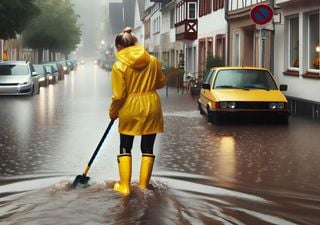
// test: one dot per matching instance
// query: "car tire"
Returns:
(214, 118)
(32, 92)
(200, 109)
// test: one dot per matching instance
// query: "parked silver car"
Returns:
(18, 78)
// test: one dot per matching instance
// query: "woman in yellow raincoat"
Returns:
(135, 78)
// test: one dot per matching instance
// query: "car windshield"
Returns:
(39, 69)
(15, 70)
(49, 68)
(245, 79)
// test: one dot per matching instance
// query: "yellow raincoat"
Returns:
(135, 78)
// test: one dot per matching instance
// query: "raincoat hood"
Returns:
(136, 57)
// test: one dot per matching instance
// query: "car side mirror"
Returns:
(34, 74)
(206, 86)
(283, 87)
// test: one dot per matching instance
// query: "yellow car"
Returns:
(248, 91)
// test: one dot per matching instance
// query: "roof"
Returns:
(14, 62)
(239, 67)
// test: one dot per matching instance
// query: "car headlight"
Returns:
(23, 83)
(223, 105)
(276, 105)
(280, 105)
(272, 105)
(230, 105)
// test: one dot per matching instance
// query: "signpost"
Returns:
(262, 14)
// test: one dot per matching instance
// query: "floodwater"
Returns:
(204, 174)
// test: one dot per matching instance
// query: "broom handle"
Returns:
(98, 147)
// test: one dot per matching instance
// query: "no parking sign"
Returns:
(261, 14)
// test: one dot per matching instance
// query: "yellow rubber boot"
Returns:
(146, 170)
(125, 167)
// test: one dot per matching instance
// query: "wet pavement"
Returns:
(204, 174)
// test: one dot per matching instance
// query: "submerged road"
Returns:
(204, 174)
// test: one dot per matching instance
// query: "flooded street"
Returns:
(204, 174)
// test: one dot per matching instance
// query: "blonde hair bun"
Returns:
(126, 38)
(127, 30)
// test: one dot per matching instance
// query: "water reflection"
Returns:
(24, 116)
(227, 158)
(42, 115)
(51, 104)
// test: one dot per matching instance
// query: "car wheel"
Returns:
(214, 118)
(32, 91)
(200, 109)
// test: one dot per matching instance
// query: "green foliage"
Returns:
(15, 15)
(213, 62)
(56, 28)
(174, 76)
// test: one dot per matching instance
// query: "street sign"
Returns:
(261, 14)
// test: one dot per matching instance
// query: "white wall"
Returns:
(212, 24)
(138, 25)
(299, 87)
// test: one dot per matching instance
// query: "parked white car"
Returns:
(18, 78)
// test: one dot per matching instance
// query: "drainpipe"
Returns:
(272, 41)
(226, 7)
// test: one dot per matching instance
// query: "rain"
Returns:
(240, 172)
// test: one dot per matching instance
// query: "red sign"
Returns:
(261, 14)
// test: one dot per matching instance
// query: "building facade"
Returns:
(297, 58)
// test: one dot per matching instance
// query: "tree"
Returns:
(56, 28)
(15, 15)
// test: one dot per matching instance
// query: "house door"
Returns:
(248, 46)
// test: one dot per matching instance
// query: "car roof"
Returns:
(13, 62)
(238, 68)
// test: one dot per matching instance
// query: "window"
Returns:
(6, 70)
(313, 41)
(156, 25)
(244, 79)
(220, 46)
(192, 11)
(208, 77)
(294, 42)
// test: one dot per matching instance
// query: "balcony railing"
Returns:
(241, 4)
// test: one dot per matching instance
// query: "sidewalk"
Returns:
(173, 101)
